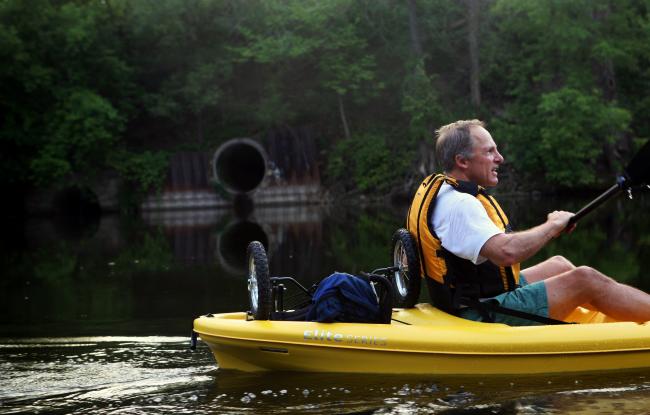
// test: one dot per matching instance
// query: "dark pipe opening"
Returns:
(240, 165)
(233, 243)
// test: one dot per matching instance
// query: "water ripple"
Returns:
(152, 375)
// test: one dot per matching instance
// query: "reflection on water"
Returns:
(151, 275)
(222, 236)
(164, 268)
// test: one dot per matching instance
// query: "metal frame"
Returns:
(278, 285)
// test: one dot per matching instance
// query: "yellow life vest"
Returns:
(459, 277)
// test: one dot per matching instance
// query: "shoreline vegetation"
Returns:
(120, 86)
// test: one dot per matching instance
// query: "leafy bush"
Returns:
(567, 140)
(146, 171)
(366, 163)
(81, 133)
(577, 128)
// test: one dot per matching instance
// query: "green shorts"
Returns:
(529, 298)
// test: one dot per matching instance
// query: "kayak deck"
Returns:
(428, 341)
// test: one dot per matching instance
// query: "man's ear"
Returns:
(461, 161)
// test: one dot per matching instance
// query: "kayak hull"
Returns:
(424, 340)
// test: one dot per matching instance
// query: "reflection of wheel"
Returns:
(259, 283)
(407, 279)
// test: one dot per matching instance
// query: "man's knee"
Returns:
(579, 286)
(591, 278)
(562, 263)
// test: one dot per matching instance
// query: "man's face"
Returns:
(483, 165)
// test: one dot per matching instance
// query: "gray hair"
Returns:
(455, 139)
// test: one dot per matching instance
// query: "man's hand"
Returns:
(559, 219)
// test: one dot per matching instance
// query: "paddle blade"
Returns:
(638, 171)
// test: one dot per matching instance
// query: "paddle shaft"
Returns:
(637, 172)
(595, 203)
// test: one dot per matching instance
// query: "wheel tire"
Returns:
(259, 283)
(407, 280)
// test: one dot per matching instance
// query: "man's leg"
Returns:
(551, 267)
(584, 285)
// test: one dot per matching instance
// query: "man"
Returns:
(469, 255)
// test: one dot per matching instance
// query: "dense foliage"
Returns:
(91, 85)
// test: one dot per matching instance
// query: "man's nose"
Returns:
(499, 158)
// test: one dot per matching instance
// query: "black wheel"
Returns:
(259, 283)
(407, 280)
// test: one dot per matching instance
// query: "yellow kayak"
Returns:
(425, 340)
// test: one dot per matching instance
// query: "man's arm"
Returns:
(505, 249)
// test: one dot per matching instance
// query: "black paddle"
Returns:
(636, 173)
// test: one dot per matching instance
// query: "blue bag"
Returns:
(343, 297)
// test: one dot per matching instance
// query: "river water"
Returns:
(95, 315)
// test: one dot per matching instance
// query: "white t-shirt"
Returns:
(462, 224)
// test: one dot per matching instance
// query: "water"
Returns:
(96, 318)
(100, 374)
(112, 375)
(109, 375)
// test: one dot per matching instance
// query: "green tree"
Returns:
(87, 85)
(575, 125)
(59, 84)
(182, 59)
(556, 117)
(320, 37)
(81, 130)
